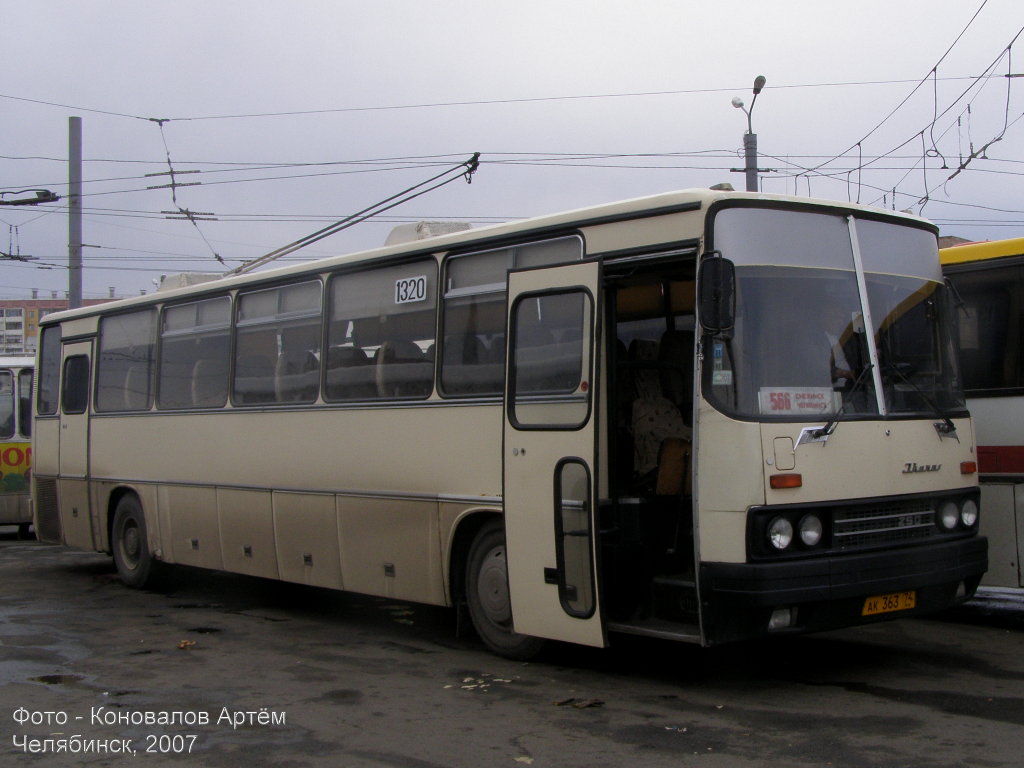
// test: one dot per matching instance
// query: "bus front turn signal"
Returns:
(788, 480)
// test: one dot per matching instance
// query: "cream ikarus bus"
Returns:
(703, 415)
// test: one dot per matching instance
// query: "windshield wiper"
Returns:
(946, 427)
(832, 423)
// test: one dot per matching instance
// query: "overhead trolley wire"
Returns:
(921, 82)
(464, 170)
(462, 103)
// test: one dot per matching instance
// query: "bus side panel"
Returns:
(46, 439)
(306, 532)
(405, 562)
(246, 519)
(194, 533)
(76, 525)
(46, 510)
(1003, 524)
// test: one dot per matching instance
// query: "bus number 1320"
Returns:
(411, 289)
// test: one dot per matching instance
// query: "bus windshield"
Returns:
(808, 286)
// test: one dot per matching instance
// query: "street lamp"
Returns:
(750, 138)
(42, 196)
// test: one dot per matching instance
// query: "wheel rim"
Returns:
(492, 588)
(131, 544)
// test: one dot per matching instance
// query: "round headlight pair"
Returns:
(952, 514)
(780, 531)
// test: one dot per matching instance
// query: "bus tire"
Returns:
(487, 596)
(135, 563)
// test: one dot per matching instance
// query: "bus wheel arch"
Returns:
(129, 542)
(486, 592)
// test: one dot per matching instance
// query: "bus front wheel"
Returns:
(487, 595)
(135, 563)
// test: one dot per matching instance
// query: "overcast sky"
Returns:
(280, 104)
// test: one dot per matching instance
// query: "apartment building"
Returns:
(19, 321)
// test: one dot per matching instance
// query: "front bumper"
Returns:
(737, 599)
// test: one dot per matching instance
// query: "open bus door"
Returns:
(550, 446)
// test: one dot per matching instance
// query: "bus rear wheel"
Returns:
(487, 595)
(135, 563)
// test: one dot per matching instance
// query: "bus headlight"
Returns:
(969, 513)
(780, 533)
(810, 530)
(949, 515)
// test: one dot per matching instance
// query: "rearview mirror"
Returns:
(716, 287)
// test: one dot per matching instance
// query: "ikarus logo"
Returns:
(912, 468)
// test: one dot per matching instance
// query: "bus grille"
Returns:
(47, 511)
(873, 525)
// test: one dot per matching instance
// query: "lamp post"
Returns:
(41, 196)
(750, 138)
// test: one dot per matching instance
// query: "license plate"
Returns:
(897, 601)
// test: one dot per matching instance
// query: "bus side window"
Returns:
(381, 327)
(473, 353)
(990, 328)
(48, 395)
(277, 350)
(125, 364)
(194, 342)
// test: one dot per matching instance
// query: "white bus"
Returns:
(988, 279)
(16, 442)
(701, 415)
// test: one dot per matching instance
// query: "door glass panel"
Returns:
(25, 403)
(573, 538)
(550, 360)
(76, 384)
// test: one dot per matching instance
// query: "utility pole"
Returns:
(74, 212)
(750, 138)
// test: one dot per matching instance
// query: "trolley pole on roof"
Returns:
(74, 212)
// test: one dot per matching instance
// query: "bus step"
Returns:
(653, 627)
(680, 581)
(674, 598)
